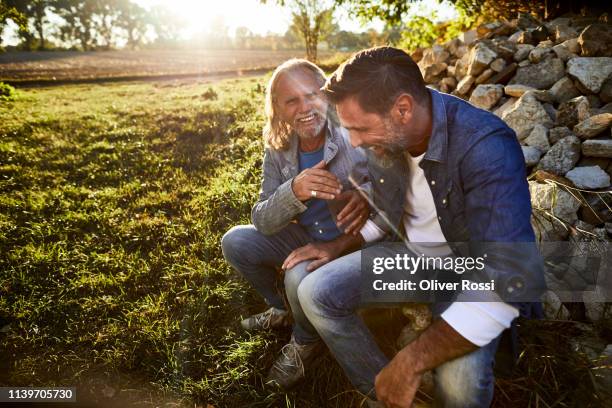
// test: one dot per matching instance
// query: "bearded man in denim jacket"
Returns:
(307, 213)
(442, 172)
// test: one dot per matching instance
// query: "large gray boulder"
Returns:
(538, 138)
(525, 114)
(590, 72)
(486, 96)
(434, 72)
(480, 58)
(549, 197)
(531, 154)
(597, 148)
(522, 52)
(557, 133)
(591, 177)
(573, 111)
(593, 126)
(562, 157)
(465, 84)
(596, 40)
(563, 90)
(540, 76)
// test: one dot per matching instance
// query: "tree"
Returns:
(166, 24)
(313, 22)
(106, 15)
(393, 11)
(24, 32)
(133, 19)
(10, 13)
(80, 25)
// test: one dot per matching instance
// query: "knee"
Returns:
(304, 294)
(293, 278)
(235, 242)
(321, 295)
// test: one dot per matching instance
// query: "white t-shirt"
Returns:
(478, 322)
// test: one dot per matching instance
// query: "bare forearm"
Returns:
(436, 345)
(348, 243)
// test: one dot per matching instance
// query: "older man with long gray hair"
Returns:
(307, 213)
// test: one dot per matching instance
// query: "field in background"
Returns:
(71, 65)
(113, 200)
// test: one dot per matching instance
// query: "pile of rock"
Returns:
(552, 83)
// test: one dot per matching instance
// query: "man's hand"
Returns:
(354, 214)
(320, 252)
(398, 382)
(324, 183)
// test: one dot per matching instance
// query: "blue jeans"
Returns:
(330, 297)
(257, 256)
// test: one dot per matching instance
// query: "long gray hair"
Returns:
(277, 132)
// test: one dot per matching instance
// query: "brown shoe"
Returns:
(270, 319)
(289, 368)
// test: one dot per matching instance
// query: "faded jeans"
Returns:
(325, 302)
(330, 298)
(257, 256)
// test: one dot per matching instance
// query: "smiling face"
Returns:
(300, 103)
(404, 128)
(381, 134)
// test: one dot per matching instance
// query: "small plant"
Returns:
(7, 92)
(209, 94)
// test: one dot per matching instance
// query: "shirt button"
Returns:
(382, 181)
(444, 201)
(316, 222)
(433, 182)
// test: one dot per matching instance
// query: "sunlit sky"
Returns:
(259, 18)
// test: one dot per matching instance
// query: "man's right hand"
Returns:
(324, 183)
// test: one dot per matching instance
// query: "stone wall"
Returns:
(552, 83)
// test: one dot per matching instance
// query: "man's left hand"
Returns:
(355, 212)
(397, 383)
(320, 253)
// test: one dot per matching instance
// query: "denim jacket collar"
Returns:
(438, 142)
(330, 147)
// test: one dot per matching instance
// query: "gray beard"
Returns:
(316, 132)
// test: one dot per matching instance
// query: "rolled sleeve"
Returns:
(370, 232)
(480, 322)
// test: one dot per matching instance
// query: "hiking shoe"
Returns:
(288, 369)
(270, 319)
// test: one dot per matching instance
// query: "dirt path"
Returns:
(196, 77)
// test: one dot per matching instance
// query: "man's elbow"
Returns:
(261, 225)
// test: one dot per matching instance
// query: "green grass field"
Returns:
(113, 200)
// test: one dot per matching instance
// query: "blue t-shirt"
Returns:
(317, 218)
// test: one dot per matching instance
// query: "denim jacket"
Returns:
(277, 204)
(475, 168)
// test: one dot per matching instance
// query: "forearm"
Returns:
(347, 243)
(436, 345)
(279, 209)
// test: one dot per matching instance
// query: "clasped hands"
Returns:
(323, 184)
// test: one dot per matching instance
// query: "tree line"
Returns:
(106, 24)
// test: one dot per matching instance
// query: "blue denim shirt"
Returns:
(476, 170)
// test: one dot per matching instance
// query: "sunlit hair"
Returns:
(277, 132)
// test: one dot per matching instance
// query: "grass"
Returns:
(113, 200)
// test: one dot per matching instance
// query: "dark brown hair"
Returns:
(377, 76)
